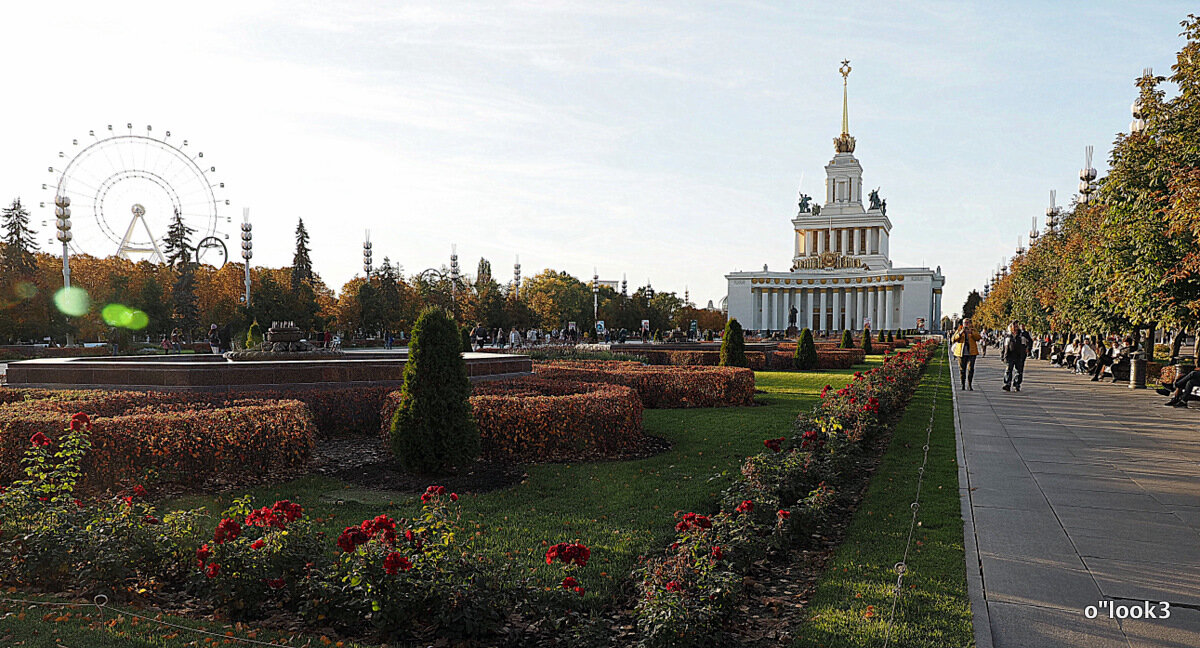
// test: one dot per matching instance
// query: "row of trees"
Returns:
(183, 294)
(1128, 260)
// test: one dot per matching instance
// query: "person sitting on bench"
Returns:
(1183, 387)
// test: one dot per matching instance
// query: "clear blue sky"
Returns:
(662, 140)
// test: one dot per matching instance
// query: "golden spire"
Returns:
(844, 143)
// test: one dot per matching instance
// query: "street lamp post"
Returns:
(247, 249)
(595, 296)
(62, 212)
(367, 255)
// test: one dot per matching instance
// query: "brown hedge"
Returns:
(535, 419)
(134, 432)
(662, 387)
(759, 360)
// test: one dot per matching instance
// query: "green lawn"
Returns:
(619, 509)
(934, 610)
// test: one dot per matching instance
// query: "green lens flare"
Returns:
(138, 320)
(72, 301)
(25, 290)
(118, 315)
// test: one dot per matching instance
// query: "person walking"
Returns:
(1013, 351)
(966, 342)
(214, 339)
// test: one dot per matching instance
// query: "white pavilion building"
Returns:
(841, 275)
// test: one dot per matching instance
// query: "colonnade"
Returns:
(826, 308)
(846, 240)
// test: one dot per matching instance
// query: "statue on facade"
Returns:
(816, 210)
(792, 317)
(874, 197)
(805, 199)
(883, 207)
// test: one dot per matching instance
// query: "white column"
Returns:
(846, 241)
(888, 306)
(848, 318)
(762, 299)
(860, 309)
(820, 241)
(780, 315)
(836, 322)
(821, 312)
(871, 307)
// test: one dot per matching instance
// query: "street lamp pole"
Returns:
(247, 249)
(595, 296)
(62, 212)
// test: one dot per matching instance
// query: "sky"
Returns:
(662, 141)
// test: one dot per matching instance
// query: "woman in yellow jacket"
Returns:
(966, 341)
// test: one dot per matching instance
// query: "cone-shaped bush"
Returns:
(806, 351)
(890, 337)
(866, 345)
(733, 345)
(847, 340)
(882, 335)
(432, 428)
(254, 336)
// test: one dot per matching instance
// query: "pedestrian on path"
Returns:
(1013, 352)
(966, 347)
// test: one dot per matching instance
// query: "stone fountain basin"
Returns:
(204, 372)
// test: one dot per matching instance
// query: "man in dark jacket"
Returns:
(1013, 352)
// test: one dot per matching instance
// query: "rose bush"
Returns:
(662, 386)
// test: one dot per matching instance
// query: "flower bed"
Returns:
(662, 387)
(135, 432)
(537, 419)
(784, 495)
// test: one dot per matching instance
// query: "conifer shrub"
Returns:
(733, 345)
(882, 335)
(254, 336)
(805, 356)
(847, 340)
(890, 337)
(432, 428)
(866, 343)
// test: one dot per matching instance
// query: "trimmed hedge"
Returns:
(827, 358)
(663, 387)
(535, 419)
(186, 441)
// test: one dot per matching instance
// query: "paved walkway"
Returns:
(1077, 492)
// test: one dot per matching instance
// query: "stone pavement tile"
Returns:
(1141, 581)
(1034, 581)
(1021, 533)
(1005, 498)
(1189, 514)
(1027, 626)
(1117, 484)
(1073, 468)
(1149, 549)
(1180, 630)
(1129, 525)
(1104, 500)
(1171, 489)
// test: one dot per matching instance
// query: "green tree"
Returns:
(302, 269)
(806, 351)
(17, 260)
(866, 343)
(969, 306)
(847, 340)
(733, 345)
(178, 245)
(432, 428)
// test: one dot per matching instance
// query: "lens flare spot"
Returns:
(118, 315)
(72, 301)
(138, 320)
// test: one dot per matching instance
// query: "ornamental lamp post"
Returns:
(367, 255)
(62, 213)
(247, 250)
(1087, 175)
(595, 296)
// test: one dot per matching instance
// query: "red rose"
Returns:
(783, 514)
(775, 445)
(202, 554)
(570, 583)
(351, 537)
(579, 591)
(265, 517)
(453, 497)
(212, 570)
(80, 420)
(258, 544)
(227, 530)
(674, 586)
(717, 553)
(128, 500)
(569, 553)
(40, 440)
(394, 562)
(382, 528)
(274, 583)
(290, 512)
(408, 535)
(745, 507)
(433, 491)
(139, 490)
(150, 519)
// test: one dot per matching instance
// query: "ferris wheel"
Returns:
(125, 189)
